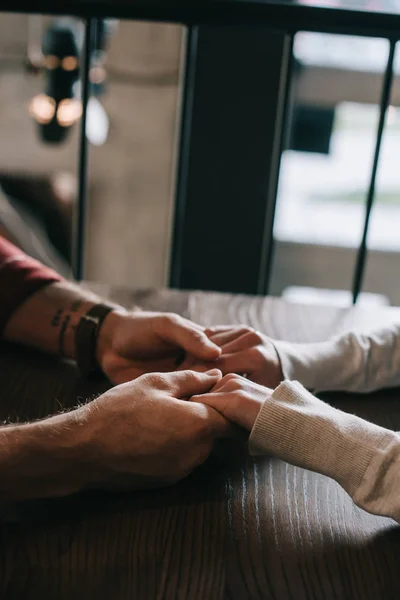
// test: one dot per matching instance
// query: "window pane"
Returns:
(325, 171)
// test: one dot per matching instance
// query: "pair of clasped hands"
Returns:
(179, 388)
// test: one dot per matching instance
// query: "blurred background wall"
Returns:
(131, 175)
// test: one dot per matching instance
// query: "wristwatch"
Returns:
(86, 336)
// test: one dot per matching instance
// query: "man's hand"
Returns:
(145, 433)
(128, 344)
(243, 351)
(139, 434)
(237, 399)
(132, 344)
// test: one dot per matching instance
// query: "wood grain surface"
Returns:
(237, 528)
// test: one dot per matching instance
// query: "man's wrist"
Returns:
(104, 341)
(49, 458)
(70, 320)
(86, 337)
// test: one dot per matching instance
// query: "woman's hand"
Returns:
(133, 344)
(243, 351)
(237, 399)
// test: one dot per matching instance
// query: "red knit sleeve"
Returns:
(20, 276)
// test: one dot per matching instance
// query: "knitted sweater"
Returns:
(301, 429)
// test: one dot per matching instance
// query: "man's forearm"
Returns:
(48, 458)
(47, 320)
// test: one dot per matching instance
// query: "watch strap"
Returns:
(86, 336)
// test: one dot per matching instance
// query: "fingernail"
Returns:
(213, 372)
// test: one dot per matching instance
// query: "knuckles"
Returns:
(230, 378)
(256, 356)
(169, 319)
(252, 335)
(154, 380)
(233, 383)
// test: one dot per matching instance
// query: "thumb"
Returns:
(184, 384)
(192, 340)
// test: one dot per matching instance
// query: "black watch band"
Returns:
(86, 336)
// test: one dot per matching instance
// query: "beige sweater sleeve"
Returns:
(362, 457)
(356, 362)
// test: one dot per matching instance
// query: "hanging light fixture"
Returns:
(57, 109)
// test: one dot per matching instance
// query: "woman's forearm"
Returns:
(364, 458)
(353, 361)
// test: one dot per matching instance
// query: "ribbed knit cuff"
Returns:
(297, 427)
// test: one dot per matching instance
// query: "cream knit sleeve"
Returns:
(356, 362)
(362, 457)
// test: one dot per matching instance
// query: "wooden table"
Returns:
(237, 528)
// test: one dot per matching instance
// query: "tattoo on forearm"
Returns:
(75, 306)
(62, 335)
(57, 318)
(62, 319)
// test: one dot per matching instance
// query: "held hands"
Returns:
(144, 433)
(243, 351)
(132, 344)
(155, 430)
(237, 399)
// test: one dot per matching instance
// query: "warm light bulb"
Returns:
(51, 61)
(42, 108)
(69, 63)
(69, 112)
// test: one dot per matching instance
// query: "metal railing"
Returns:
(206, 20)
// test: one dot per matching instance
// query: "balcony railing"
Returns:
(232, 124)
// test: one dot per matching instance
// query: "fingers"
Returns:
(236, 399)
(193, 364)
(235, 339)
(219, 400)
(184, 384)
(190, 337)
(218, 426)
(222, 336)
(218, 329)
(232, 382)
(238, 408)
(241, 362)
(249, 339)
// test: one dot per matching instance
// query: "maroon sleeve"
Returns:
(20, 276)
